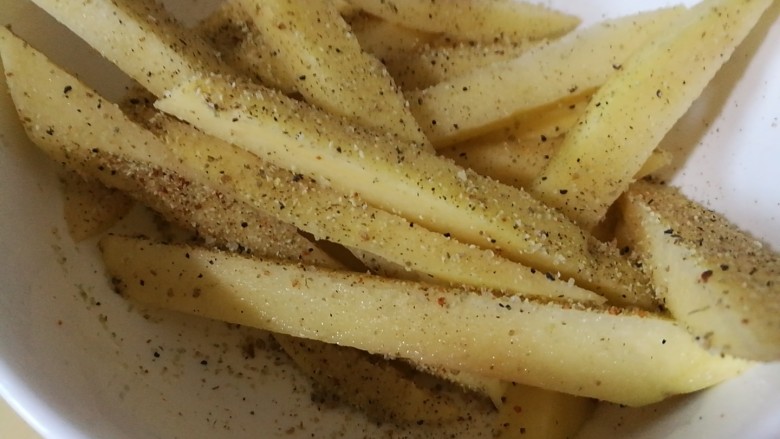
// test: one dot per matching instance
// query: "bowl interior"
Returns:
(78, 361)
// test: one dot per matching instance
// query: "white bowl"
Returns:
(78, 362)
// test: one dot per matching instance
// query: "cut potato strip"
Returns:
(630, 114)
(86, 128)
(312, 44)
(90, 208)
(228, 29)
(613, 355)
(168, 53)
(552, 120)
(422, 187)
(473, 20)
(519, 162)
(534, 413)
(386, 40)
(491, 96)
(721, 283)
(491, 387)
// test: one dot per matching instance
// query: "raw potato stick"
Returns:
(167, 55)
(314, 48)
(718, 281)
(424, 188)
(70, 118)
(552, 120)
(532, 413)
(609, 354)
(490, 97)
(229, 31)
(631, 113)
(443, 62)
(518, 162)
(473, 20)
(387, 40)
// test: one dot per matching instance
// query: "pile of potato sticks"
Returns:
(467, 159)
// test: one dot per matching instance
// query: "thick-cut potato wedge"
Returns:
(139, 37)
(721, 283)
(383, 389)
(424, 188)
(533, 413)
(312, 44)
(90, 207)
(609, 354)
(52, 101)
(490, 97)
(630, 114)
(517, 162)
(473, 20)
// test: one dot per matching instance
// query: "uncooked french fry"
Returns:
(386, 40)
(168, 54)
(314, 48)
(490, 97)
(630, 114)
(474, 20)
(549, 121)
(718, 281)
(532, 413)
(609, 354)
(229, 31)
(518, 162)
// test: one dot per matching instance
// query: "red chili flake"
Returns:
(705, 275)
(441, 301)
